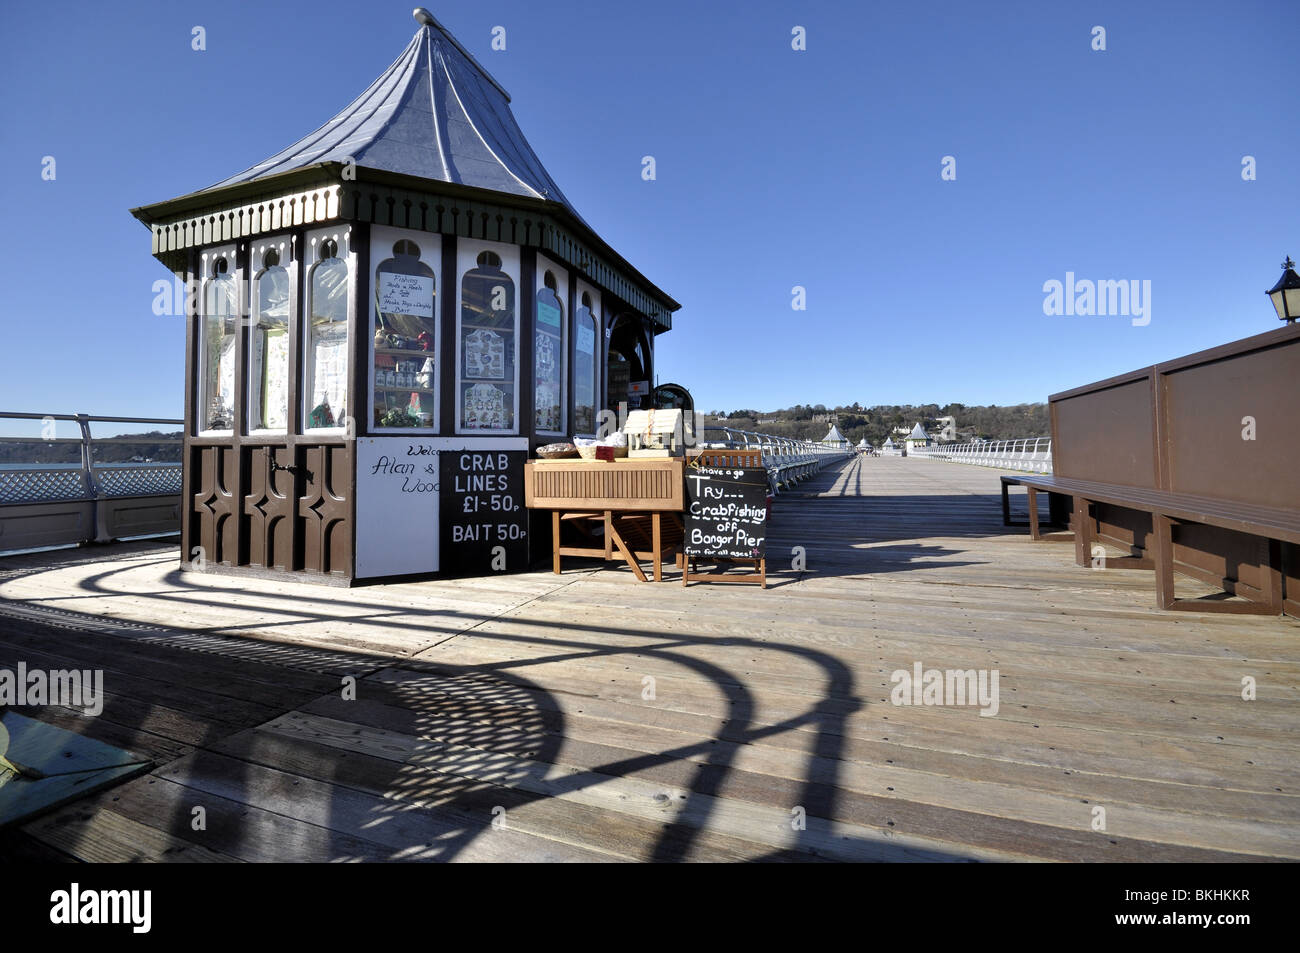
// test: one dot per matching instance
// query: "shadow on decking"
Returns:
(420, 765)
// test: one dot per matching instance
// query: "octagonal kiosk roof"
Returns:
(435, 122)
(436, 113)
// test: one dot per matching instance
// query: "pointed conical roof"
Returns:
(918, 434)
(863, 443)
(435, 113)
(833, 435)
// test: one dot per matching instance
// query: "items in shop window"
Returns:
(545, 356)
(547, 403)
(485, 355)
(218, 415)
(398, 417)
(321, 415)
(484, 408)
(393, 341)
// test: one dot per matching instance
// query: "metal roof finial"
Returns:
(423, 16)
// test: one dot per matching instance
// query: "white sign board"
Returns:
(406, 294)
(397, 506)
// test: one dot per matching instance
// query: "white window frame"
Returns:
(382, 240)
(561, 274)
(342, 236)
(467, 252)
(286, 247)
(598, 352)
(207, 259)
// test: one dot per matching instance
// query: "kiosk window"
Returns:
(584, 369)
(269, 362)
(220, 333)
(549, 359)
(405, 384)
(326, 384)
(487, 337)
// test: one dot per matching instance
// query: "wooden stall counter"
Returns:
(636, 505)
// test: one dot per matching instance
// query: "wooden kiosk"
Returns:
(383, 320)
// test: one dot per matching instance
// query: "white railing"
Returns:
(1030, 454)
(787, 460)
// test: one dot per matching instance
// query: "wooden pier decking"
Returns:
(587, 717)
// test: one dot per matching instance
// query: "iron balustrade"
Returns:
(1027, 454)
(60, 490)
(786, 459)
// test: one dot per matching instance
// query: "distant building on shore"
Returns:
(918, 438)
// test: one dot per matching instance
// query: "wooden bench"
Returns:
(1058, 505)
(1191, 464)
(1270, 525)
(723, 457)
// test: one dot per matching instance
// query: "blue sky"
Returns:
(775, 168)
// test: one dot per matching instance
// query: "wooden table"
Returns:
(627, 499)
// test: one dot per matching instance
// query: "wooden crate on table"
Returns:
(643, 485)
(654, 434)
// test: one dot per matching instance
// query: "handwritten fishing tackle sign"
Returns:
(397, 506)
(726, 512)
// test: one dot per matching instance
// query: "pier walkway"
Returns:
(583, 717)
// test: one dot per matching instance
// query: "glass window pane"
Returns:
(584, 373)
(269, 364)
(405, 340)
(327, 351)
(487, 341)
(548, 363)
(220, 324)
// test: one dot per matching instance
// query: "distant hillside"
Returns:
(155, 446)
(876, 423)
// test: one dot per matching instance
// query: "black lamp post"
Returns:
(1286, 293)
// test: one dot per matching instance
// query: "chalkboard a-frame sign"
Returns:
(726, 521)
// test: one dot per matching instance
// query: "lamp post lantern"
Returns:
(1286, 293)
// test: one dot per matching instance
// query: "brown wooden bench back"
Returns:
(726, 458)
(1183, 427)
(1180, 425)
